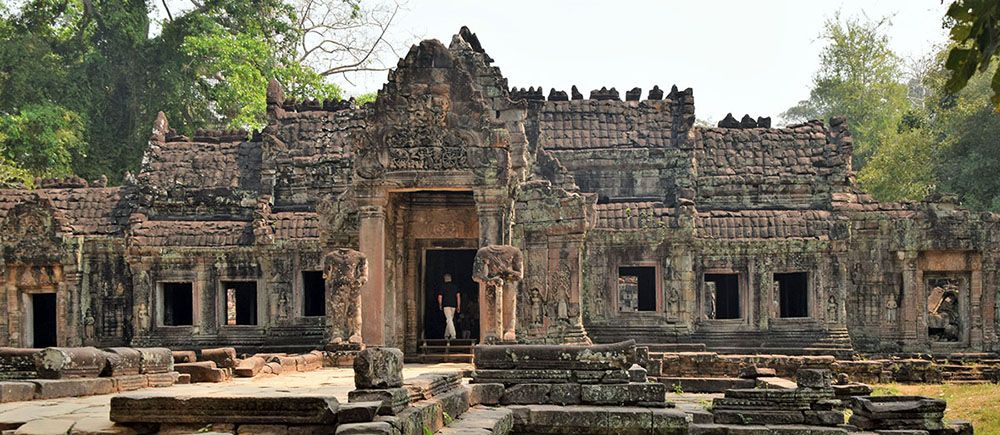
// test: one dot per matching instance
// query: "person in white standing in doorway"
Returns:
(449, 301)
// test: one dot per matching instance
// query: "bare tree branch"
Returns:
(337, 38)
(166, 8)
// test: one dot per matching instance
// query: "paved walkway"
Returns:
(89, 415)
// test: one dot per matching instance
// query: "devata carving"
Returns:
(497, 269)
(345, 271)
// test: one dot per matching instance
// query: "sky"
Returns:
(755, 57)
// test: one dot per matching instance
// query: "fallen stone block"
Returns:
(754, 372)
(184, 356)
(156, 360)
(203, 371)
(122, 361)
(56, 388)
(526, 394)
(393, 400)
(427, 385)
(358, 412)
(485, 394)
(288, 364)
(130, 383)
(814, 378)
(775, 383)
(223, 357)
(378, 367)
(16, 391)
(18, 363)
(481, 420)
(529, 356)
(311, 361)
(651, 394)
(70, 362)
(272, 368)
(182, 379)
(285, 409)
(165, 379)
(371, 428)
(249, 367)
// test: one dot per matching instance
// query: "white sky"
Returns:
(755, 57)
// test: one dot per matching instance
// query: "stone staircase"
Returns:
(836, 342)
(441, 351)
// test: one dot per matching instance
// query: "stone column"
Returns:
(371, 238)
(911, 303)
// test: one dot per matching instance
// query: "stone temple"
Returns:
(633, 223)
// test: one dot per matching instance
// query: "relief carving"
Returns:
(345, 272)
(944, 317)
(497, 269)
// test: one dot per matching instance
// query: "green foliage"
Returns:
(859, 77)
(42, 139)
(975, 31)
(366, 98)
(899, 168)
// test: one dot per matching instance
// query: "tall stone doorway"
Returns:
(457, 263)
(42, 325)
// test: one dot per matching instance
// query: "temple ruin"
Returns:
(633, 222)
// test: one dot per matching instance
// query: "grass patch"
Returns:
(978, 403)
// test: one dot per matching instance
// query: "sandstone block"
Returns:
(517, 356)
(204, 371)
(16, 362)
(813, 378)
(378, 367)
(358, 412)
(223, 357)
(165, 379)
(622, 394)
(184, 356)
(250, 367)
(16, 391)
(274, 409)
(56, 388)
(46, 426)
(122, 361)
(371, 428)
(526, 394)
(485, 394)
(130, 383)
(262, 429)
(393, 399)
(756, 416)
(156, 360)
(637, 373)
(70, 362)
(564, 394)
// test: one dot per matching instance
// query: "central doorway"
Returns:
(458, 263)
(43, 320)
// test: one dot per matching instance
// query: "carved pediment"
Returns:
(30, 233)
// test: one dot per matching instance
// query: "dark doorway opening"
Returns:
(641, 297)
(177, 304)
(313, 294)
(793, 294)
(727, 294)
(241, 302)
(43, 319)
(458, 263)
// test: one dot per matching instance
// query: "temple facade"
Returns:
(633, 223)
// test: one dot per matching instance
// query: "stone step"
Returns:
(498, 421)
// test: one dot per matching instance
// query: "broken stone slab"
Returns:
(549, 376)
(46, 426)
(849, 390)
(223, 357)
(378, 367)
(203, 371)
(768, 382)
(753, 372)
(565, 394)
(481, 420)
(705, 385)
(756, 417)
(312, 361)
(184, 356)
(876, 406)
(586, 420)
(427, 385)
(931, 423)
(533, 356)
(485, 394)
(156, 360)
(16, 391)
(57, 388)
(637, 373)
(526, 394)
(122, 361)
(70, 362)
(286, 409)
(645, 394)
(393, 399)
(249, 367)
(287, 364)
(272, 368)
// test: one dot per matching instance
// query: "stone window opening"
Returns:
(178, 303)
(793, 294)
(722, 296)
(241, 302)
(637, 289)
(313, 293)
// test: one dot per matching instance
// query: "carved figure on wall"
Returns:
(709, 300)
(673, 301)
(891, 305)
(944, 322)
(142, 317)
(345, 271)
(831, 307)
(537, 310)
(88, 326)
(497, 269)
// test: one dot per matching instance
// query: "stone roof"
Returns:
(588, 124)
(633, 215)
(173, 233)
(765, 224)
(87, 211)
(295, 226)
